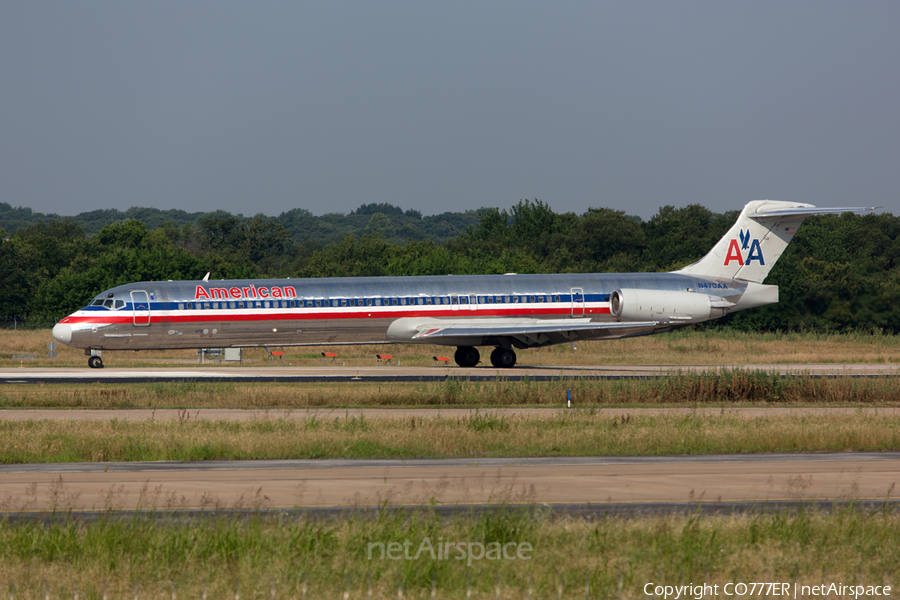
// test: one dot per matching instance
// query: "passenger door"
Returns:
(140, 305)
(577, 302)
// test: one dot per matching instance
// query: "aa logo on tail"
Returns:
(736, 252)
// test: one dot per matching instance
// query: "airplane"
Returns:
(507, 312)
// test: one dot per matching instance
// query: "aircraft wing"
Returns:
(535, 331)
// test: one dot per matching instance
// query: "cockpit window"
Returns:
(97, 302)
(120, 304)
(108, 304)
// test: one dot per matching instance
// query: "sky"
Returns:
(263, 107)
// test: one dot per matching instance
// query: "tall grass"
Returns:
(714, 387)
(265, 557)
(581, 433)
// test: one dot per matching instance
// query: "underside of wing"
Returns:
(522, 333)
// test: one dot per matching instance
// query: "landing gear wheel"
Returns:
(466, 356)
(95, 362)
(503, 358)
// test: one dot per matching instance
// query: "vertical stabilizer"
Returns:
(757, 240)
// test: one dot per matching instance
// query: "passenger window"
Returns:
(403, 301)
(532, 299)
(377, 301)
(343, 303)
(463, 300)
(368, 302)
(540, 298)
(428, 301)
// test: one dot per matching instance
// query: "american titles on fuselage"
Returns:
(251, 291)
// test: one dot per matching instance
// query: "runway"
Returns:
(391, 373)
(348, 484)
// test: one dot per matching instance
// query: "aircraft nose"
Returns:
(62, 333)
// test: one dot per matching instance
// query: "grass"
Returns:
(278, 557)
(684, 347)
(581, 433)
(725, 387)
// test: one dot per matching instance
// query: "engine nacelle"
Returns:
(659, 305)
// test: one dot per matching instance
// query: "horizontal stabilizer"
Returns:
(762, 215)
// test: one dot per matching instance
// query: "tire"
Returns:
(467, 356)
(95, 362)
(503, 358)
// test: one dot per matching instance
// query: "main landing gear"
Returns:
(502, 358)
(95, 362)
(467, 356)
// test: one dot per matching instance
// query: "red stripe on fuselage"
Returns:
(292, 315)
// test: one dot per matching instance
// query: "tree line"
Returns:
(394, 224)
(839, 273)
